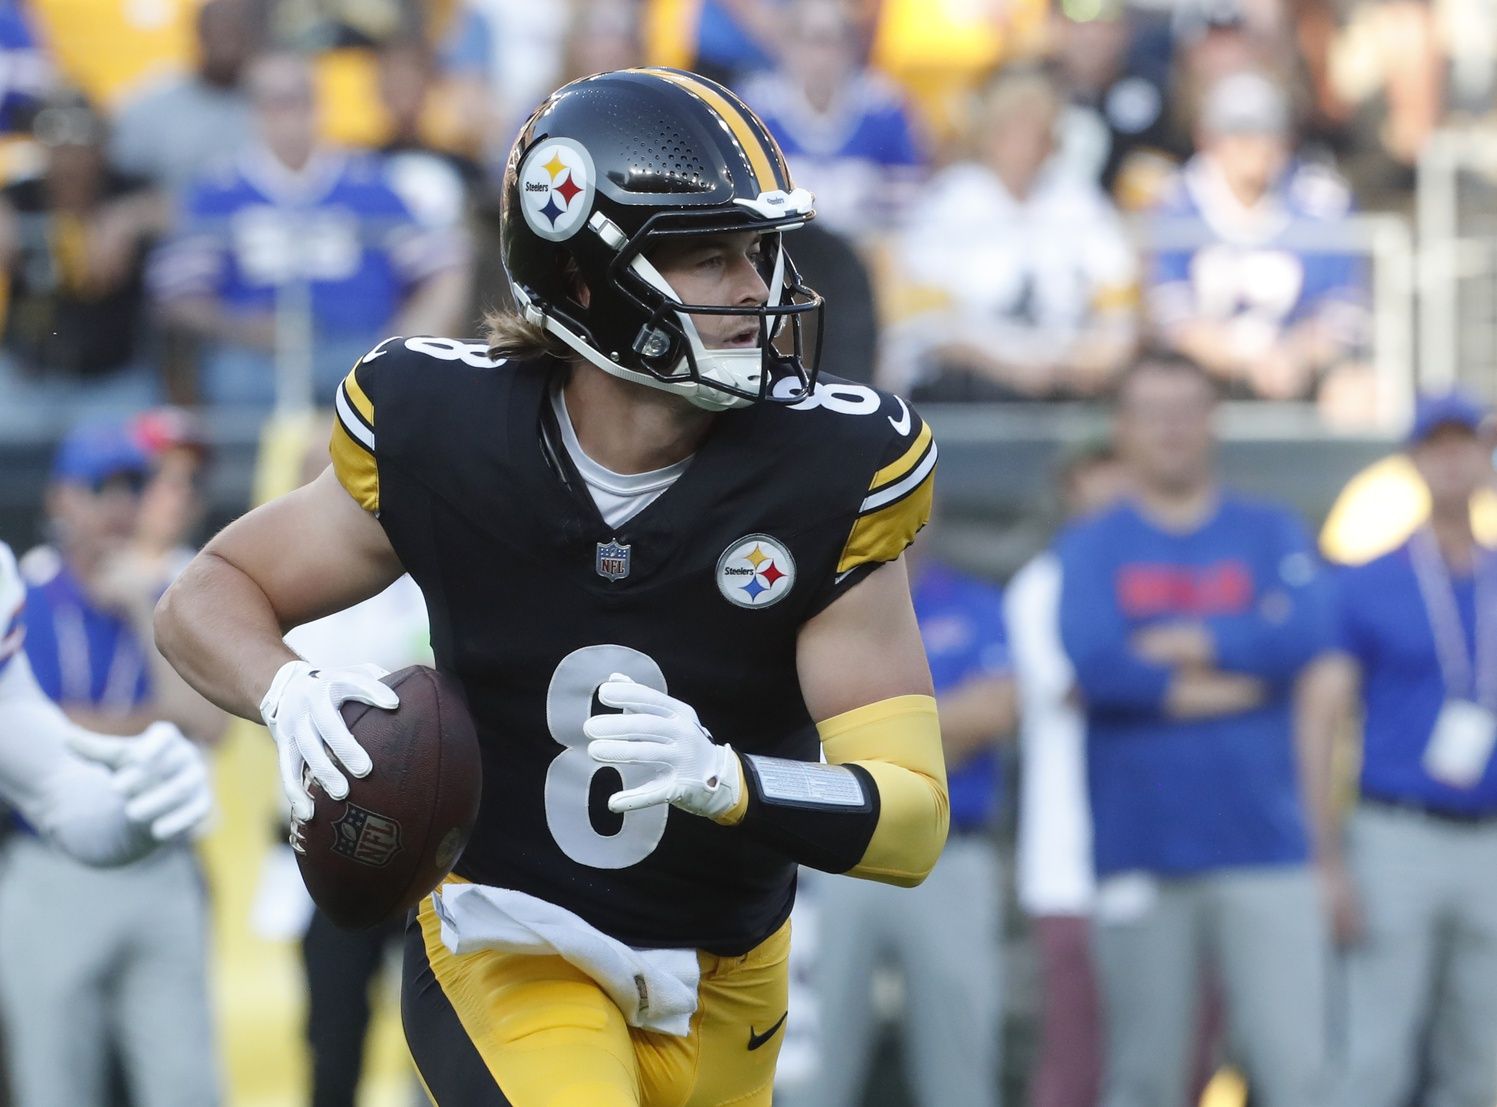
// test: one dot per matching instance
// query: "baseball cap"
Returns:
(93, 452)
(1245, 103)
(171, 428)
(1455, 408)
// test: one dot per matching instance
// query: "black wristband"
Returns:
(817, 815)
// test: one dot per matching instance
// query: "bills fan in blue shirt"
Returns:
(1182, 796)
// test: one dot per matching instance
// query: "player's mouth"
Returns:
(748, 336)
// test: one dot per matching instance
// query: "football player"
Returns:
(663, 559)
(103, 800)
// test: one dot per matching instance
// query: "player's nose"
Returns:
(748, 283)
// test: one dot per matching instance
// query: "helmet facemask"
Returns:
(641, 330)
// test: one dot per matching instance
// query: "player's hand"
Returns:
(301, 710)
(689, 769)
(160, 775)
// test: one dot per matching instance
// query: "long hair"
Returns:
(510, 335)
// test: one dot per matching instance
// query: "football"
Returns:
(374, 854)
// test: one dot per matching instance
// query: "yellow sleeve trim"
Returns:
(886, 531)
(352, 445)
(361, 402)
(907, 460)
(898, 742)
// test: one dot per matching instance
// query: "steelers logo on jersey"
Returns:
(556, 188)
(755, 571)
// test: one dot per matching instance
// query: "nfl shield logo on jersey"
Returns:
(613, 560)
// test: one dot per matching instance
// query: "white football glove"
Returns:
(159, 774)
(693, 772)
(301, 710)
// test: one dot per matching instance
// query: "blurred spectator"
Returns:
(170, 132)
(26, 73)
(1188, 611)
(1255, 276)
(947, 935)
(939, 53)
(1054, 854)
(1033, 276)
(171, 506)
(1116, 129)
(845, 130)
(1211, 40)
(298, 257)
(433, 181)
(73, 242)
(1418, 627)
(728, 39)
(104, 962)
(1053, 875)
(1391, 74)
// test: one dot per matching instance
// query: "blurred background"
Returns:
(208, 211)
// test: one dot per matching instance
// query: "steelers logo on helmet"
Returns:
(755, 571)
(557, 184)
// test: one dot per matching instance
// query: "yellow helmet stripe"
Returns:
(749, 138)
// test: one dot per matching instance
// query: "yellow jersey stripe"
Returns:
(361, 402)
(902, 487)
(906, 461)
(355, 467)
(746, 134)
(883, 532)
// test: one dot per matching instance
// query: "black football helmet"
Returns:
(614, 164)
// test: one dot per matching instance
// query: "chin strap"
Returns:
(701, 395)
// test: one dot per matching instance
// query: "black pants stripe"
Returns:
(449, 1064)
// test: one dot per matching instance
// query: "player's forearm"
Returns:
(877, 810)
(218, 630)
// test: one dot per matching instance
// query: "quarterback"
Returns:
(664, 561)
(103, 800)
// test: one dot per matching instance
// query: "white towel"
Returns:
(656, 989)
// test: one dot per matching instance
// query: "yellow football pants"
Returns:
(514, 1030)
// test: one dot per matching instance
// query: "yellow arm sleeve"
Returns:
(898, 743)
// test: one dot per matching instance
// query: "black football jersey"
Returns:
(535, 601)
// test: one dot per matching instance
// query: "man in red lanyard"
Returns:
(1418, 637)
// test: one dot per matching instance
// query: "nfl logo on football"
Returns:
(366, 836)
(613, 560)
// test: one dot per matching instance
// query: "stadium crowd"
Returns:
(1135, 207)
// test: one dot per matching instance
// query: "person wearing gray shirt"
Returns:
(207, 110)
